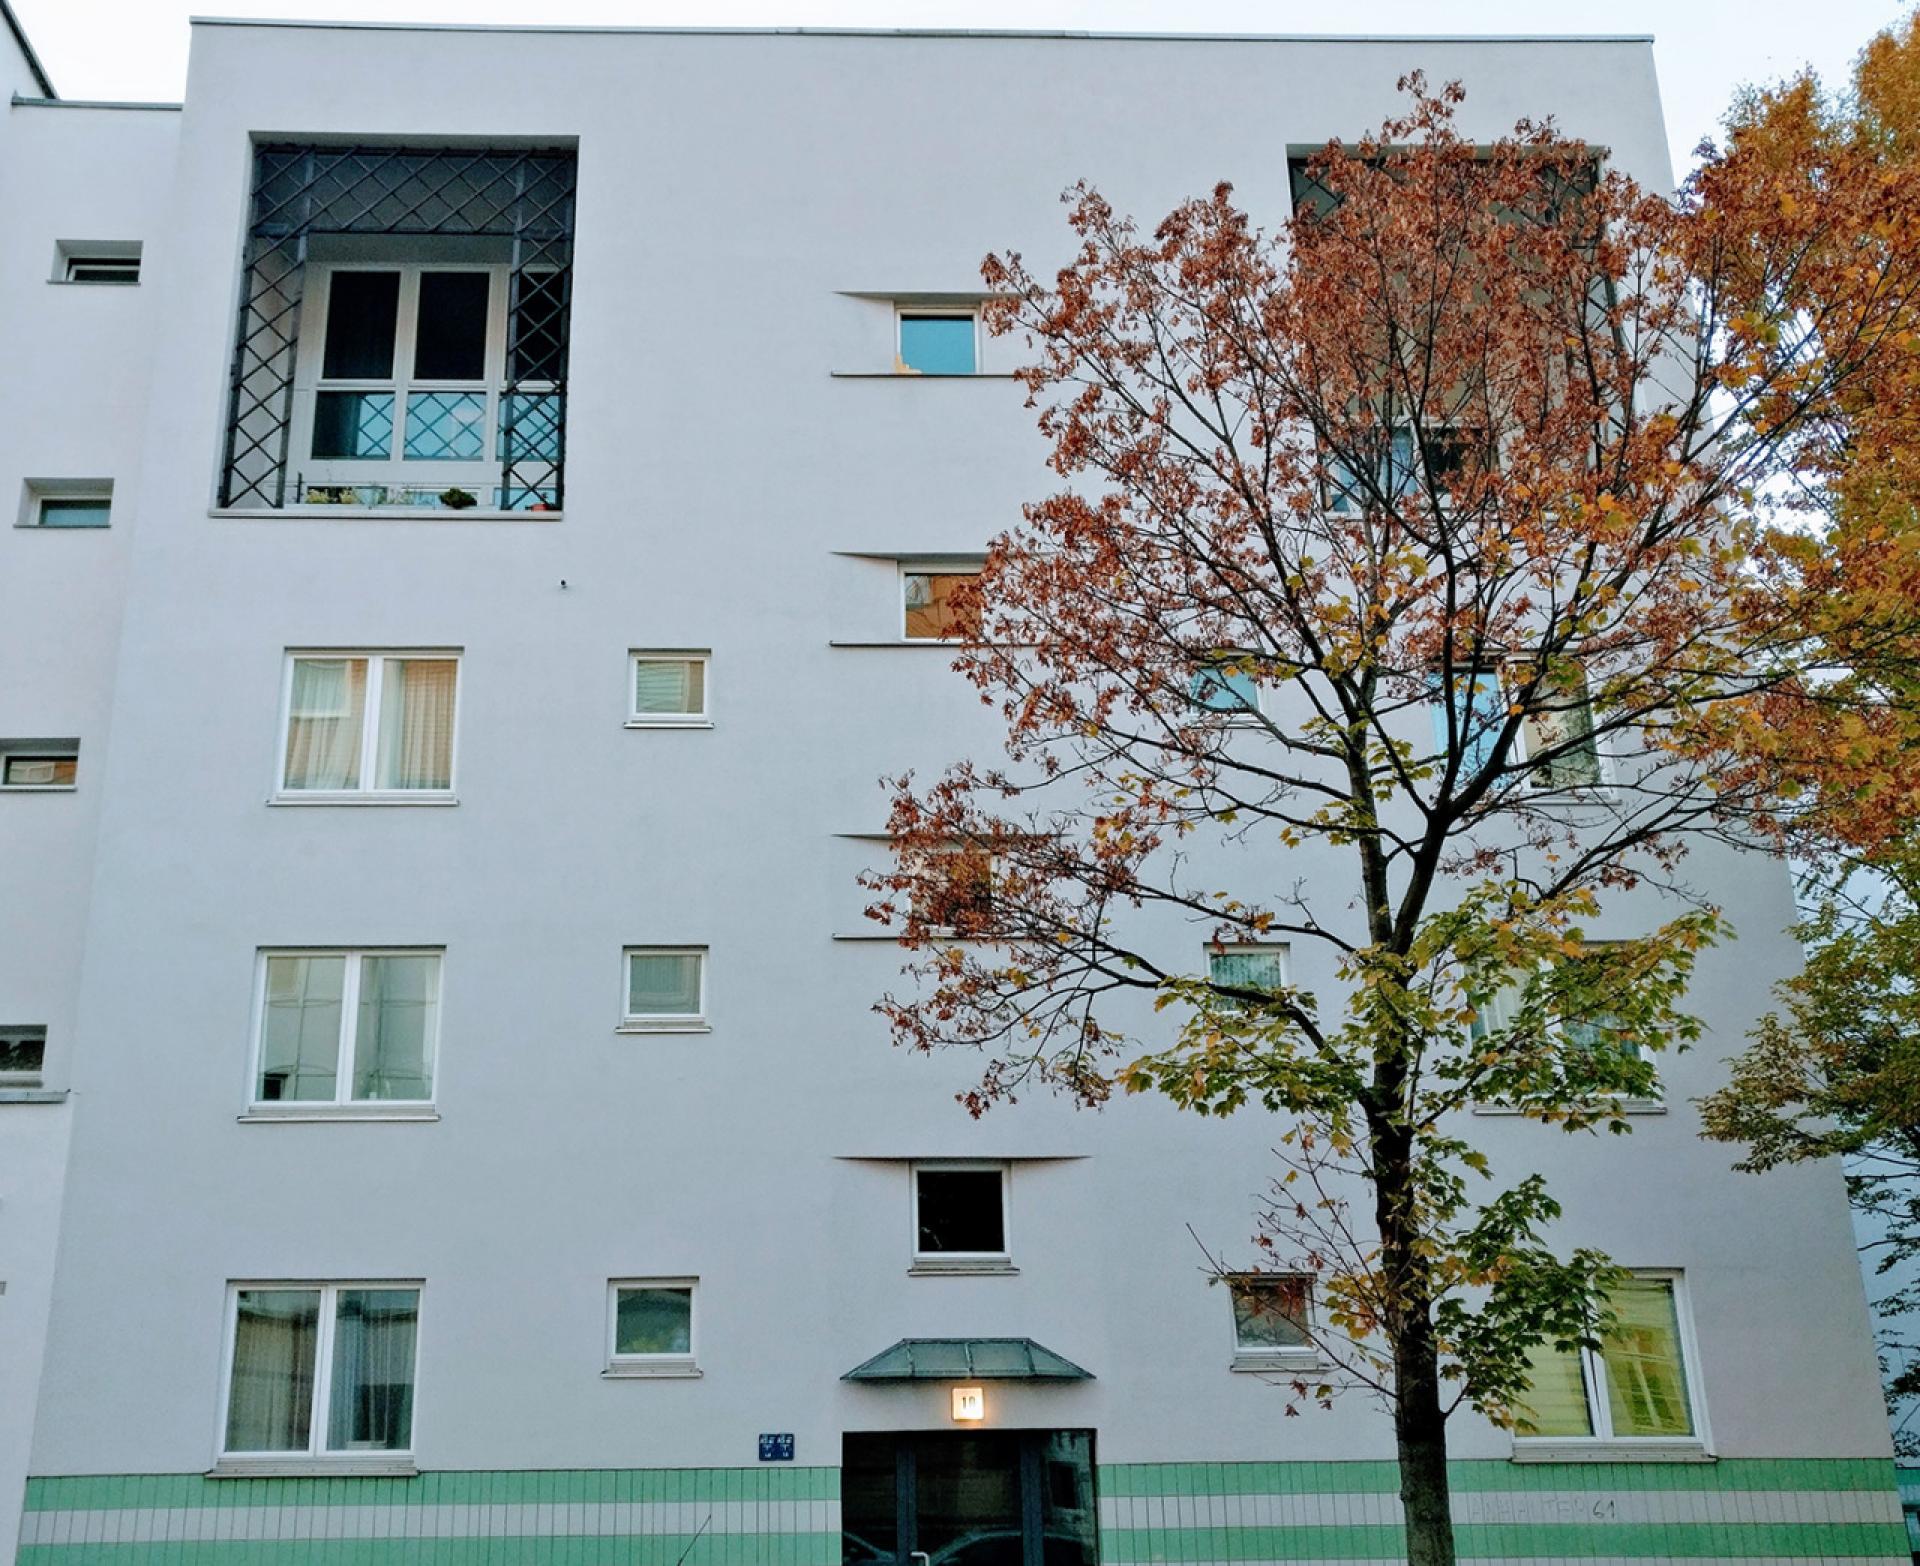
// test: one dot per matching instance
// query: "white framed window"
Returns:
(1248, 965)
(23, 1056)
(930, 340)
(39, 766)
(400, 383)
(66, 504)
(1272, 1320)
(346, 1029)
(934, 602)
(651, 1327)
(960, 1216)
(1638, 1390)
(1494, 1013)
(361, 726)
(666, 989)
(320, 1370)
(668, 690)
(1561, 720)
(110, 261)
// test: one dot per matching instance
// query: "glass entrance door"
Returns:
(968, 1498)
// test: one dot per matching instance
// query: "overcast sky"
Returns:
(1704, 48)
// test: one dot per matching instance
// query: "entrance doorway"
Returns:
(968, 1498)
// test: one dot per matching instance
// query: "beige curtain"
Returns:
(416, 723)
(324, 721)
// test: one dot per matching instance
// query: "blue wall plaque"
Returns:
(776, 1448)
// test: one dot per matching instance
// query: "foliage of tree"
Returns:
(1451, 470)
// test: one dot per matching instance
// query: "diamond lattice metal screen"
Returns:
(525, 197)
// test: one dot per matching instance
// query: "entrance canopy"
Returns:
(967, 1359)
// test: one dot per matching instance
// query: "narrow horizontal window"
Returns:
(67, 503)
(369, 723)
(23, 1056)
(960, 1212)
(36, 764)
(1270, 1313)
(321, 1369)
(347, 1027)
(937, 342)
(652, 1324)
(668, 687)
(666, 987)
(97, 261)
(941, 606)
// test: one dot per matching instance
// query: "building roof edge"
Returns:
(26, 49)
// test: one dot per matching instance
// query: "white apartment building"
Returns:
(475, 538)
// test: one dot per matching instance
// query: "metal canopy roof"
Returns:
(975, 1359)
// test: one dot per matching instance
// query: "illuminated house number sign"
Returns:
(969, 1403)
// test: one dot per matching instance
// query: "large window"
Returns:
(347, 1027)
(361, 724)
(321, 1369)
(1637, 1387)
(650, 1323)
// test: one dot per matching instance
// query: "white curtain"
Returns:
(270, 1405)
(370, 1396)
(416, 723)
(324, 721)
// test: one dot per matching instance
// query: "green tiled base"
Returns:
(1151, 1514)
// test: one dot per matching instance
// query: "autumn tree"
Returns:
(1398, 556)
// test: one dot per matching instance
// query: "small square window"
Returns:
(960, 1215)
(1271, 1316)
(941, 605)
(1226, 684)
(666, 989)
(938, 342)
(1247, 967)
(669, 689)
(651, 1327)
(23, 1056)
(39, 764)
(97, 261)
(66, 503)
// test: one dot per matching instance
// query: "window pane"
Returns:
(450, 334)
(1067, 1513)
(300, 1031)
(653, 1321)
(324, 721)
(1556, 1400)
(1224, 688)
(931, 612)
(937, 344)
(270, 1398)
(1646, 1379)
(40, 771)
(370, 1396)
(663, 984)
(960, 1211)
(362, 309)
(1494, 1013)
(56, 511)
(1249, 968)
(446, 426)
(530, 427)
(392, 1044)
(669, 686)
(23, 1052)
(1572, 726)
(1270, 1313)
(352, 424)
(1478, 711)
(416, 723)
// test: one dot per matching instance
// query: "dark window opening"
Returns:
(961, 1211)
(450, 336)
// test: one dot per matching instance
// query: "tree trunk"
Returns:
(1420, 1430)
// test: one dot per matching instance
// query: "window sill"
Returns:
(1646, 1451)
(423, 797)
(39, 788)
(669, 723)
(263, 1114)
(675, 1025)
(1282, 1362)
(957, 1267)
(63, 527)
(93, 282)
(1626, 1106)
(382, 1467)
(24, 1095)
(665, 1370)
(379, 514)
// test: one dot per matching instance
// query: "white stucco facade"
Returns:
(742, 476)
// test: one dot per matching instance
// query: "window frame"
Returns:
(960, 566)
(25, 1081)
(316, 1457)
(1258, 1358)
(121, 256)
(340, 1107)
(364, 794)
(652, 1365)
(1603, 1443)
(932, 1262)
(703, 719)
(902, 309)
(663, 1022)
(478, 475)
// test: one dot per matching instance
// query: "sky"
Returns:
(1704, 49)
